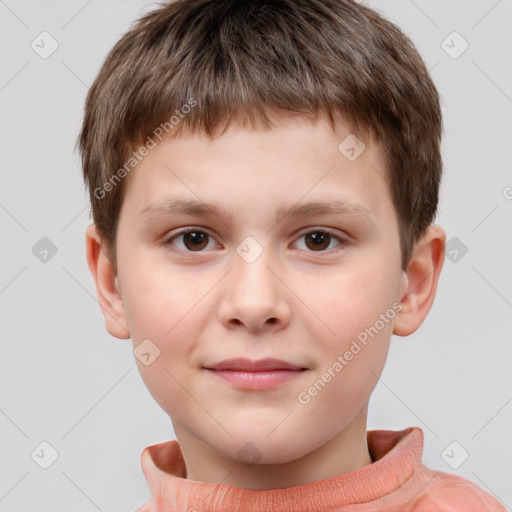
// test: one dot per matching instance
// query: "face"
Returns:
(260, 278)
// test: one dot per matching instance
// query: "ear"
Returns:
(107, 288)
(420, 281)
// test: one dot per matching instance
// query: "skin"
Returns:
(295, 302)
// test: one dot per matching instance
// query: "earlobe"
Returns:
(421, 281)
(107, 285)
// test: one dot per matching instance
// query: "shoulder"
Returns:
(445, 492)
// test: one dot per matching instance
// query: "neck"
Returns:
(346, 452)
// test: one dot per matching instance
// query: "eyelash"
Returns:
(343, 241)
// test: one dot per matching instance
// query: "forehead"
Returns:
(297, 161)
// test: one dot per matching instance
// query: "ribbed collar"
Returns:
(395, 455)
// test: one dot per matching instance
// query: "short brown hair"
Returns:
(240, 59)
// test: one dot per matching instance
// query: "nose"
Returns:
(254, 295)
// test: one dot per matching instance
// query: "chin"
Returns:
(254, 448)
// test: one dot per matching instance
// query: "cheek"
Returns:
(160, 307)
(352, 358)
(352, 306)
(170, 307)
(157, 300)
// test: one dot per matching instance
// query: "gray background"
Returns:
(65, 381)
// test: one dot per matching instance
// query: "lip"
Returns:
(248, 365)
(261, 380)
(256, 375)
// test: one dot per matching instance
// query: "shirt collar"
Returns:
(396, 454)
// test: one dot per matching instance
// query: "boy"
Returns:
(264, 176)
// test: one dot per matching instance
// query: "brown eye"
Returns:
(320, 240)
(193, 240)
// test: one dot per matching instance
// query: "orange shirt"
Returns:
(396, 481)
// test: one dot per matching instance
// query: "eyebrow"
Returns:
(181, 206)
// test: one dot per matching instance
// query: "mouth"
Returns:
(256, 375)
